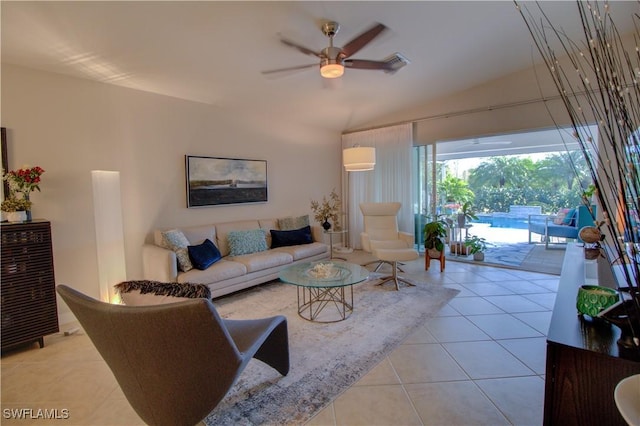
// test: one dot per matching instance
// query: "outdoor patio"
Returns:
(509, 248)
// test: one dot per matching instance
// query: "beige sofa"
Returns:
(231, 273)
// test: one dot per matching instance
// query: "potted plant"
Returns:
(328, 209)
(476, 246)
(588, 193)
(434, 238)
(466, 213)
(15, 209)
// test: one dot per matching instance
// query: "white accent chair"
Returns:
(382, 238)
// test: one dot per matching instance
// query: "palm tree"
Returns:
(562, 169)
(499, 172)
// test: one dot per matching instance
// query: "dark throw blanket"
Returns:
(165, 289)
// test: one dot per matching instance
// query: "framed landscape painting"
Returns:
(217, 181)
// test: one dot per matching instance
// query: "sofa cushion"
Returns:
(264, 260)
(175, 240)
(197, 234)
(267, 225)
(246, 242)
(291, 223)
(222, 270)
(204, 255)
(304, 250)
(291, 238)
(570, 218)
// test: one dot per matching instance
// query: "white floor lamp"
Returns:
(356, 159)
(107, 208)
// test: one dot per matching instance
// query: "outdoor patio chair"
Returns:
(568, 228)
(175, 362)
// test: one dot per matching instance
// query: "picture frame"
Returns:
(213, 181)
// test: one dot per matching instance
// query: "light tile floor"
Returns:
(480, 361)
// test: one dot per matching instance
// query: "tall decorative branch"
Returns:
(598, 83)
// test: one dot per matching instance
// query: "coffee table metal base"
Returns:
(312, 301)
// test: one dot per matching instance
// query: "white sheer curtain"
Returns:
(390, 180)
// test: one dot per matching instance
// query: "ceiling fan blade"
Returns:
(365, 64)
(362, 40)
(477, 142)
(298, 67)
(300, 48)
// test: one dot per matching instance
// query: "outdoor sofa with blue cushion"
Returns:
(568, 227)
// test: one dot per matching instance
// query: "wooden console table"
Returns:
(584, 362)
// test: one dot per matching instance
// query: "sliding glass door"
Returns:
(504, 178)
(425, 186)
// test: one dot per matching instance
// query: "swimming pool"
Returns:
(503, 220)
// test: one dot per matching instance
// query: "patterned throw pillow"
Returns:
(570, 218)
(178, 243)
(246, 242)
(292, 223)
(560, 216)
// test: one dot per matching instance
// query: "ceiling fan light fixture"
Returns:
(332, 70)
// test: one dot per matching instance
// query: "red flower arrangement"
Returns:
(25, 179)
(454, 207)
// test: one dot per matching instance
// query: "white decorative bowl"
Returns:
(627, 397)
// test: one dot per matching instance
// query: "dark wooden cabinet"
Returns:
(584, 361)
(28, 309)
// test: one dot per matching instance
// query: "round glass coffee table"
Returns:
(324, 284)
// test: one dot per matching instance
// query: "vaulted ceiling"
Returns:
(213, 52)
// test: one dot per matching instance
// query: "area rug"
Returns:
(545, 260)
(511, 255)
(326, 358)
(521, 256)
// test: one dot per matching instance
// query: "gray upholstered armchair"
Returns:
(175, 362)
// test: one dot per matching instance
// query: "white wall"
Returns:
(508, 104)
(71, 126)
(481, 110)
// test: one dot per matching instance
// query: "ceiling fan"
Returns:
(476, 142)
(334, 59)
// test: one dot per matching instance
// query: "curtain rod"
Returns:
(463, 112)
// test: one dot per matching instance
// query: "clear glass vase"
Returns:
(28, 211)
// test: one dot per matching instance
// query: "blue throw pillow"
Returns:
(291, 238)
(204, 255)
(570, 218)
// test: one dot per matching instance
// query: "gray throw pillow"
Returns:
(292, 223)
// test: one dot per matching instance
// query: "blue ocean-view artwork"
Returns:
(216, 181)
